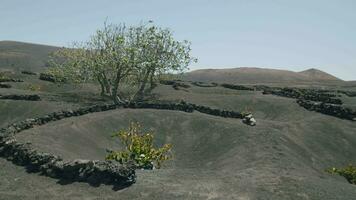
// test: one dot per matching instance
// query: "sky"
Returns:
(281, 34)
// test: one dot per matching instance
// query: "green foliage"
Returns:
(348, 172)
(139, 149)
(120, 54)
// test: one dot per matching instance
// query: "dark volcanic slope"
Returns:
(24, 56)
(260, 76)
(282, 158)
(217, 158)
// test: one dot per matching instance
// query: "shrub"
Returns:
(139, 149)
(348, 172)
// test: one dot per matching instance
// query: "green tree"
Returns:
(118, 55)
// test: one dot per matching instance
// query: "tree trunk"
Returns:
(140, 93)
(115, 97)
(152, 81)
(114, 91)
(106, 84)
(102, 91)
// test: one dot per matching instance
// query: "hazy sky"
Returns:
(283, 34)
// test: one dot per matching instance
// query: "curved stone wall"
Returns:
(93, 172)
(175, 84)
(83, 170)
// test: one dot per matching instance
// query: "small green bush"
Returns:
(348, 172)
(139, 149)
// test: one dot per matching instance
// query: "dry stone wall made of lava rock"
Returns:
(33, 97)
(236, 87)
(28, 72)
(2, 85)
(47, 77)
(328, 109)
(202, 84)
(95, 172)
(177, 85)
(4, 79)
(305, 94)
(347, 93)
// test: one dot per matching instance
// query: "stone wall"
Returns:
(305, 94)
(347, 93)
(28, 72)
(186, 107)
(5, 79)
(33, 97)
(177, 85)
(93, 172)
(54, 166)
(202, 84)
(2, 85)
(236, 87)
(47, 77)
(83, 170)
(182, 106)
(328, 109)
(167, 82)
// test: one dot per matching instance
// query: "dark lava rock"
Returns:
(236, 87)
(5, 79)
(348, 93)
(175, 84)
(5, 85)
(305, 94)
(202, 84)
(95, 172)
(47, 77)
(28, 72)
(34, 97)
(328, 109)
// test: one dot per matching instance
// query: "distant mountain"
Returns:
(246, 75)
(316, 74)
(20, 55)
(27, 56)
